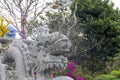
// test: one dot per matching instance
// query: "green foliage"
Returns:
(116, 62)
(106, 77)
(114, 75)
(86, 74)
(101, 23)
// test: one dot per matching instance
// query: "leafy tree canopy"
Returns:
(101, 24)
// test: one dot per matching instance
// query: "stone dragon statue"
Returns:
(34, 60)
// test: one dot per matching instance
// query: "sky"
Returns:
(117, 3)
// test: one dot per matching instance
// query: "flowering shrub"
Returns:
(71, 71)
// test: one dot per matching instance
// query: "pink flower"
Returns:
(53, 75)
(70, 74)
(79, 78)
(72, 65)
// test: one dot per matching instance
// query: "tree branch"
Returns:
(86, 50)
(75, 21)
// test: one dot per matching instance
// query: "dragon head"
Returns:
(51, 53)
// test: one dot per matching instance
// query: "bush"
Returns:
(106, 77)
(116, 73)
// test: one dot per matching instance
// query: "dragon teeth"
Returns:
(46, 66)
(50, 65)
(61, 65)
(57, 65)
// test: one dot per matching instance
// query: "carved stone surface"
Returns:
(34, 60)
